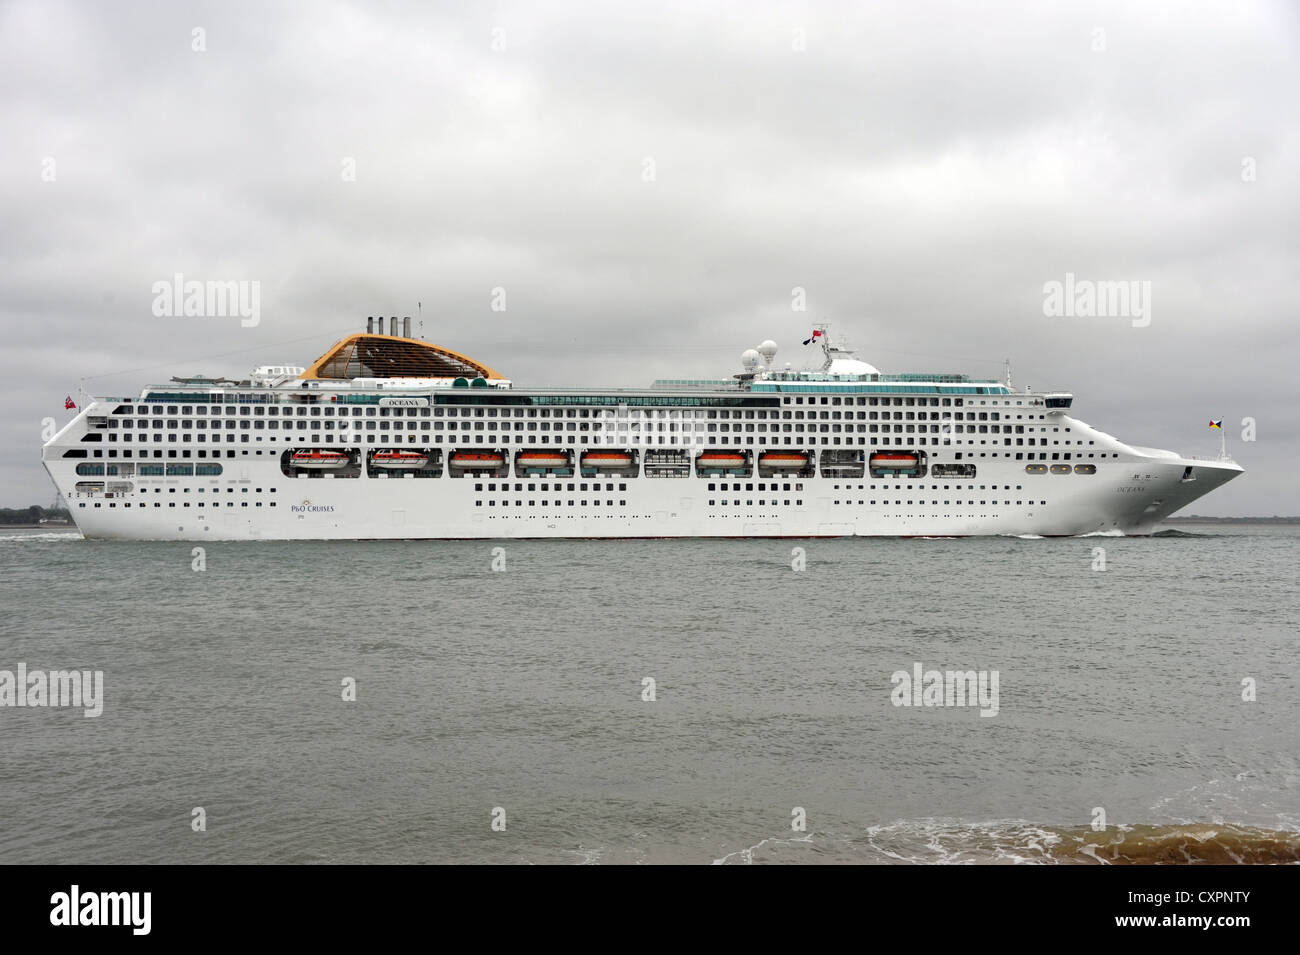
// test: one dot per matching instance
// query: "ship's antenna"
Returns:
(419, 311)
(1006, 364)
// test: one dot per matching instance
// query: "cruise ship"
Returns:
(387, 436)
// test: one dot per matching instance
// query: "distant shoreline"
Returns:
(1231, 520)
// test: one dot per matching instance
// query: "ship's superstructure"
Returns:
(388, 436)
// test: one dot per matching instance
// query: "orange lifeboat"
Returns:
(476, 460)
(722, 459)
(398, 459)
(606, 459)
(316, 458)
(887, 461)
(783, 460)
(542, 459)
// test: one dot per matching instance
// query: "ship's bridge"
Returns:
(371, 356)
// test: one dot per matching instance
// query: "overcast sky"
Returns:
(648, 182)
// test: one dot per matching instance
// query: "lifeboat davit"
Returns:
(542, 459)
(783, 460)
(476, 460)
(897, 462)
(318, 459)
(398, 459)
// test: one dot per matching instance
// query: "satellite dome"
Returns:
(767, 350)
(749, 359)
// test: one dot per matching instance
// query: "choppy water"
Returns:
(522, 690)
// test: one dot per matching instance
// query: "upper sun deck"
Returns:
(374, 368)
(916, 384)
(373, 356)
(812, 382)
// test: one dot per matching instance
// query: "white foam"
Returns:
(951, 842)
(587, 856)
(747, 855)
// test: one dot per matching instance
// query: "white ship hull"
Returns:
(206, 462)
(1128, 495)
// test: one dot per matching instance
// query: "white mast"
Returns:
(826, 342)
